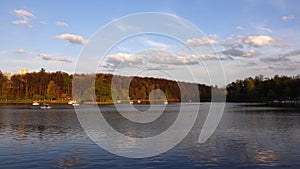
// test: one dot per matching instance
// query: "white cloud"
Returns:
(124, 26)
(239, 28)
(45, 56)
(64, 60)
(20, 22)
(72, 38)
(287, 17)
(195, 42)
(162, 57)
(19, 51)
(60, 23)
(259, 41)
(120, 57)
(204, 57)
(120, 60)
(155, 44)
(25, 15)
(42, 55)
(155, 57)
(51, 57)
(264, 29)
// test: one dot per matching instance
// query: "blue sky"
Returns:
(251, 37)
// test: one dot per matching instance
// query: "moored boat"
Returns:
(45, 106)
(73, 103)
(35, 103)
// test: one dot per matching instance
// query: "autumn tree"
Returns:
(51, 90)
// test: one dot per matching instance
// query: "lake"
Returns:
(248, 136)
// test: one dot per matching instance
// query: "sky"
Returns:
(248, 37)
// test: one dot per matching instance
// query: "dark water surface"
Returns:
(248, 136)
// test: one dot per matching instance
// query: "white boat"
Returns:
(45, 106)
(131, 102)
(71, 102)
(75, 104)
(139, 101)
(35, 103)
(166, 102)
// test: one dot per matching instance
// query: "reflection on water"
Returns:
(248, 136)
(72, 158)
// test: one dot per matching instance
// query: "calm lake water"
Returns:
(248, 136)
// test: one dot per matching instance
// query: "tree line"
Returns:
(44, 85)
(36, 86)
(264, 89)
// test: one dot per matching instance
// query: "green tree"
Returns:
(250, 84)
(37, 97)
(7, 90)
(3, 79)
(51, 90)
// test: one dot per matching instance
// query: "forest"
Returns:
(260, 89)
(99, 87)
(36, 86)
(57, 86)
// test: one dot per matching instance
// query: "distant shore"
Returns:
(135, 102)
(31, 101)
(28, 101)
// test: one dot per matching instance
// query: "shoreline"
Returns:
(3, 102)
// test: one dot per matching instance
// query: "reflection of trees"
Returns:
(140, 130)
(266, 157)
(233, 152)
(21, 131)
(25, 124)
(251, 136)
(21, 127)
(72, 159)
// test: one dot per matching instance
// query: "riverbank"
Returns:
(31, 101)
